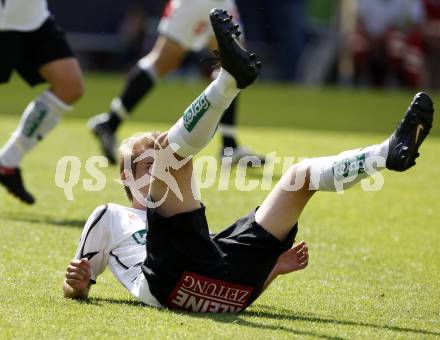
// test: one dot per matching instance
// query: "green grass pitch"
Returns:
(374, 268)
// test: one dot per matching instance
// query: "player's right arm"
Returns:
(77, 283)
(91, 256)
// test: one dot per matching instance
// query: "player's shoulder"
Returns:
(107, 209)
(98, 214)
(119, 211)
(113, 211)
(111, 207)
(117, 208)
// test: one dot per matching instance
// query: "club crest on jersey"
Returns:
(133, 217)
(195, 111)
(140, 236)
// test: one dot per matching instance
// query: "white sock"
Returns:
(39, 117)
(199, 122)
(227, 130)
(147, 64)
(336, 173)
(117, 107)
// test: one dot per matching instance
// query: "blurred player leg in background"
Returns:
(184, 27)
(227, 127)
(42, 55)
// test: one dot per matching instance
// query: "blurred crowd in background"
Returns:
(379, 43)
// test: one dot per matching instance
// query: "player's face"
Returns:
(143, 171)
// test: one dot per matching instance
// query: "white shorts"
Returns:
(186, 22)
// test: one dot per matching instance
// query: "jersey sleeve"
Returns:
(95, 241)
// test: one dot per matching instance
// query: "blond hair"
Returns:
(131, 148)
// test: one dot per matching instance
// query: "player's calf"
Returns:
(65, 79)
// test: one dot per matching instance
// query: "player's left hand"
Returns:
(296, 258)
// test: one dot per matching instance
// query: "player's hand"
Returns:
(78, 274)
(296, 258)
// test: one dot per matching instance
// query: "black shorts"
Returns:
(26, 52)
(242, 255)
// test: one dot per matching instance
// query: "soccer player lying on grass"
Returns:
(115, 236)
(184, 266)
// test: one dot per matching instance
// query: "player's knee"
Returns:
(300, 174)
(69, 90)
(75, 90)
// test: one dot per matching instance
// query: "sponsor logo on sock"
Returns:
(349, 167)
(195, 112)
(34, 119)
